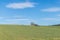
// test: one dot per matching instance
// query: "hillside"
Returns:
(17, 32)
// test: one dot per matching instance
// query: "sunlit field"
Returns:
(17, 32)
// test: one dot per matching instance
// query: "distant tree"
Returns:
(33, 24)
(56, 25)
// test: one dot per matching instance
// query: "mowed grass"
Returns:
(17, 32)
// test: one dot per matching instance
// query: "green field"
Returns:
(16, 32)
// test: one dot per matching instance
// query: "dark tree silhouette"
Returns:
(33, 24)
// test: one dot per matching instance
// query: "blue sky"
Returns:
(42, 12)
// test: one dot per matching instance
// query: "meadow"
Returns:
(21, 32)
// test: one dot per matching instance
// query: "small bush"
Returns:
(33, 24)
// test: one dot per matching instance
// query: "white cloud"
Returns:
(49, 18)
(17, 19)
(58, 15)
(55, 9)
(1, 17)
(21, 5)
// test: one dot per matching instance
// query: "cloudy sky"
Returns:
(42, 12)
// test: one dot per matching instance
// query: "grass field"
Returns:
(16, 32)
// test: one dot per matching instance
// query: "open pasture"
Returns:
(17, 32)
